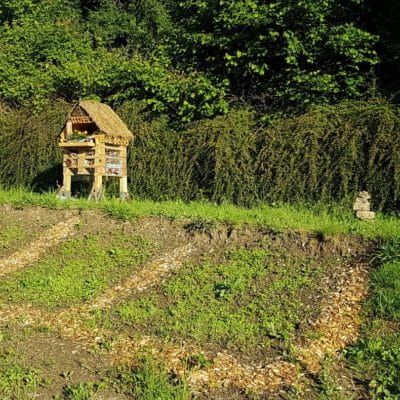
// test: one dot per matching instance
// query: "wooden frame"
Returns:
(102, 152)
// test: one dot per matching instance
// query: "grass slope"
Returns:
(248, 301)
(318, 219)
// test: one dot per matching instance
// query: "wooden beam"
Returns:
(68, 128)
(73, 144)
(81, 120)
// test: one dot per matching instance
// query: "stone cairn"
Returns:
(362, 206)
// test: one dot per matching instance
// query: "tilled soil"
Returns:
(335, 327)
(31, 253)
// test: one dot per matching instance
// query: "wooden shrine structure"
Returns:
(94, 141)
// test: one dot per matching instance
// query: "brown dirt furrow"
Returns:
(30, 254)
(227, 371)
(224, 369)
(338, 324)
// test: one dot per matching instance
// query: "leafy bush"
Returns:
(223, 150)
(184, 97)
(160, 163)
(29, 152)
(331, 152)
(212, 159)
(192, 59)
(279, 52)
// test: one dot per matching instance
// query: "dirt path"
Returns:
(339, 322)
(150, 275)
(30, 254)
(336, 327)
(227, 371)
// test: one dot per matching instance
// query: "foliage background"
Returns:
(197, 58)
(326, 154)
(243, 101)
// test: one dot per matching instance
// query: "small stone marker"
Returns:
(362, 206)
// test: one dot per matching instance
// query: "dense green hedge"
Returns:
(326, 155)
(331, 152)
(29, 152)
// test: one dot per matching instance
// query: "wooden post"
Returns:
(68, 128)
(123, 188)
(65, 191)
(81, 159)
(67, 184)
(98, 182)
(100, 159)
(123, 181)
(97, 189)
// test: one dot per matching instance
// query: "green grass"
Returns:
(385, 280)
(388, 251)
(328, 385)
(149, 380)
(247, 302)
(17, 382)
(11, 235)
(80, 270)
(386, 291)
(376, 358)
(80, 391)
(318, 219)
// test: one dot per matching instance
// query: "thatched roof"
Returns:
(106, 119)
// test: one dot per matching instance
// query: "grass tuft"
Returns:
(149, 380)
(10, 235)
(17, 381)
(386, 291)
(80, 391)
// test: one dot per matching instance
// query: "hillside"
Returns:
(97, 307)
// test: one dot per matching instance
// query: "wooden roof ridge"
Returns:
(105, 118)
